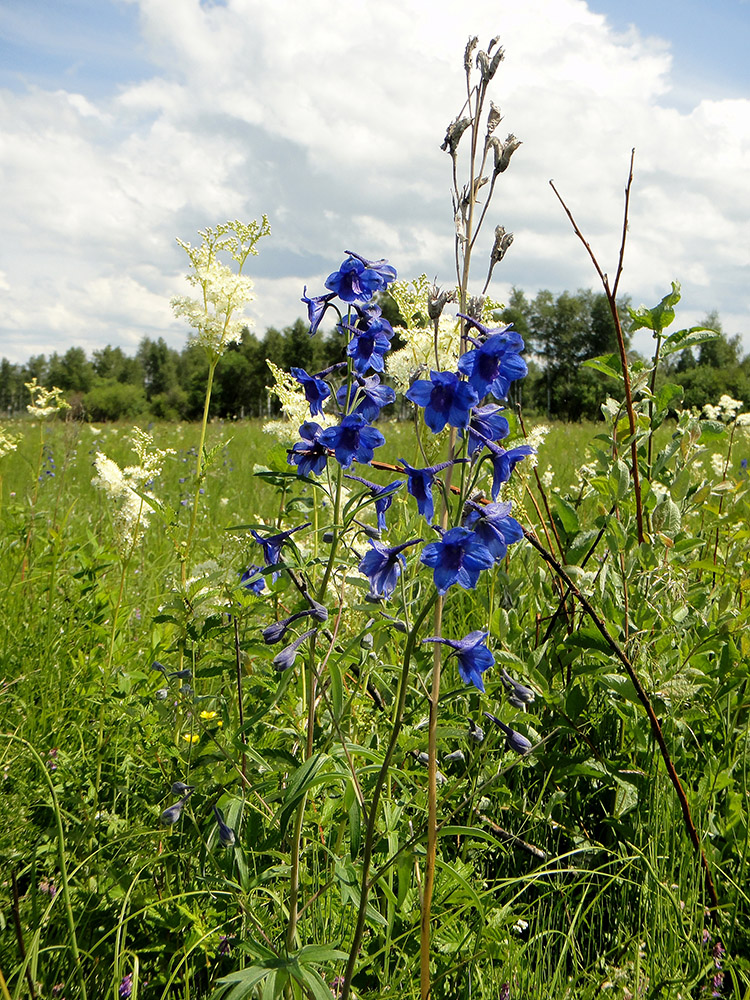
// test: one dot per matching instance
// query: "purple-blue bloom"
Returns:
(357, 280)
(504, 462)
(419, 484)
(493, 524)
(316, 308)
(486, 424)
(226, 833)
(285, 659)
(273, 543)
(472, 654)
(276, 631)
(459, 557)
(446, 400)
(316, 390)
(369, 394)
(382, 566)
(514, 740)
(383, 496)
(494, 363)
(309, 455)
(370, 342)
(352, 439)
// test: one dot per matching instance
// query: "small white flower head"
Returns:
(216, 315)
(417, 358)
(729, 407)
(45, 402)
(717, 464)
(295, 408)
(126, 489)
(8, 442)
(548, 477)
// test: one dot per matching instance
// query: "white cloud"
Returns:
(330, 120)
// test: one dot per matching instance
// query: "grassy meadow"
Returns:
(568, 871)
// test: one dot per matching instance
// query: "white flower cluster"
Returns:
(45, 402)
(8, 442)
(126, 488)
(417, 358)
(294, 406)
(216, 316)
(718, 462)
(726, 410)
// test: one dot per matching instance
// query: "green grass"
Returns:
(567, 873)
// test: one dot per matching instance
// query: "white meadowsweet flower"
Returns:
(8, 442)
(417, 358)
(711, 412)
(216, 315)
(45, 402)
(126, 488)
(717, 464)
(729, 407)
(548, 477)
(295, 408)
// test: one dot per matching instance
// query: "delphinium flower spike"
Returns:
(472, 654)
(516, 741)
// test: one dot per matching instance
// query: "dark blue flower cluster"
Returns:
(456, 399)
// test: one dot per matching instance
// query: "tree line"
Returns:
(560, 332)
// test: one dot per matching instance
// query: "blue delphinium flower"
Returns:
(476, 733)
(180, 788)
(309, 455)
(316, 308)
(370, 341)
(251, 579)
(285, 659)
(486, 424)
(446, 400)
(125, 990)
(383, 495)
(382, 566)
(172, 813)
(515, 740)
(226, 833)
(472, 654)
(495, 362)
(357, 280)
(518, 694)
(276, 631)
(419, 485)
(352, 439)
(368, 393)
(273, 544)
(459, 557)
(493, 524)
(316, 390)
(158, 666)
(504, 462)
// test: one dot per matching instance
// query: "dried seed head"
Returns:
(453, 135)
(493, 118)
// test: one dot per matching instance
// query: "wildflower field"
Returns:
(348, 707)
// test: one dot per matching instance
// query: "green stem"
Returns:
(379, 785)
(213, 362)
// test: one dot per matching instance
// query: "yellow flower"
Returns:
(208, 715)
(190, 737)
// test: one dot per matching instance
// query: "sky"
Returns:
(127, 123)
